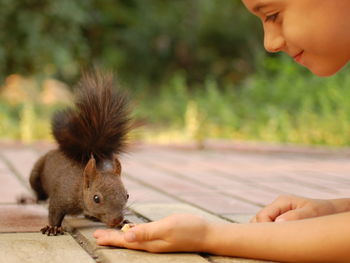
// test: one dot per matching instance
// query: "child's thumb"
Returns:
(130, 236)
(138, 233)
(293, 215)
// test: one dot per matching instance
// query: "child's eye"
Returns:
(272, 17)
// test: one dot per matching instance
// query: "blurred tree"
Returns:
(42, 36)
(143, 40)
(153, 39)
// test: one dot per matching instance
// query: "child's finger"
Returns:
(138, 233)
(296, 214)
(267, 214)
(101, 232)
(113, 238)
(253, 220)
(143, 232)
(117, 239)
(278, 207)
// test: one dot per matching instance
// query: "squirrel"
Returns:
(84, 174)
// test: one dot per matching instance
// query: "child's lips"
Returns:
(298, 56)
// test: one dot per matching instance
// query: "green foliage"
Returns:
(144, 41)
(27, 121)
(280, 103)
(195, 70)
(42, 36)
(9, 116)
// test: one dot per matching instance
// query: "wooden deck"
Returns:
(219, 184)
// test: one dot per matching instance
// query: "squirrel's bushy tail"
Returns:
(99, 122)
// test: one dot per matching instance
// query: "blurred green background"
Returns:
(195, 70)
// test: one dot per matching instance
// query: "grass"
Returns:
(26, 122)
(280, 103)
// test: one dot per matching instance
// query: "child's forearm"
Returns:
(321, 239)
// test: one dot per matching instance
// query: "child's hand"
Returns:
(288, 207)
(180, 232)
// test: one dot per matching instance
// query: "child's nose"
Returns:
(273, 40)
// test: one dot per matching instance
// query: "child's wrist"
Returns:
(206, 244)
(212, 241)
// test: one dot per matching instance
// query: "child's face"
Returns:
(316, 33)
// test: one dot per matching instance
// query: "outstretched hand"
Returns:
(180, 232)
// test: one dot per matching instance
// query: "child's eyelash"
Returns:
(272, 17)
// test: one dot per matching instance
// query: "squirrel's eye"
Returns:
(127, 196)
(96, 199)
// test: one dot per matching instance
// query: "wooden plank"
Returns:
(133, 256)
(21, 161)
(83, 229)
(38, 248)
(22, 218)
(158, 211)
(10, 187)
(218, 259)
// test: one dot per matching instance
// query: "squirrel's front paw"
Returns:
(52, 230)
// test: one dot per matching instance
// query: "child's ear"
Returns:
(90, 172)
(117, 167)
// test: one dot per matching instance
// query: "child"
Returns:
(316, 33)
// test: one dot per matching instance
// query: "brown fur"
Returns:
(98, 124)
(71, 177)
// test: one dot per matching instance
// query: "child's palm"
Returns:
(181, 232)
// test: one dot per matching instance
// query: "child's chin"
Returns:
(326, 71)
(324, 74)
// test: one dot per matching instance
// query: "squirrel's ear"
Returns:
(90, 172)
(117, 167)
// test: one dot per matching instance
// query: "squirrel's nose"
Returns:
(117, 221)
